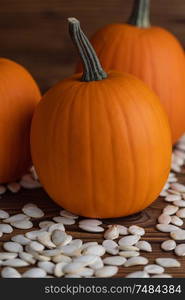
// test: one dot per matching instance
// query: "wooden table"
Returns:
(147, 218)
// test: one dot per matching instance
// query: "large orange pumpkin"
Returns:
(152, 54)
(19, 95)
(100, 141)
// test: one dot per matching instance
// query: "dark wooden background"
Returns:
(34, 32)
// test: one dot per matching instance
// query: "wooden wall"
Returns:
(34, 32)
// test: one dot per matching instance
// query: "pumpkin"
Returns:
(150, 53)
(100, 141)
(19, 94)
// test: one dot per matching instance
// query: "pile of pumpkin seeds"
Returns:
(50, 251)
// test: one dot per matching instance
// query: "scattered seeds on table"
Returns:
(122, 230)
(90, 222)
(114, 260)
(69, 250)
(172, 198)
(15, 218)
(111, 247)
(87, 244)
(6, 228)
(129, 240)
(180, 250)
(15, 262)
(178, 235)
(166, 227)
(33, 211)
(178, 187)
(111, 233)
(107, 271)
(63, 220)
(128, 248)
(61, 258)
(168, 245)
(34, 273)
(176, 221)
(154, 269)
(86, 260)
(179, 203)
(144, 246)
(3, 214)
(28, 182)
(136, 261)
(23, 224)
(21, 239)
(134, 229)
(9, 272)
(90, 228)
(164, 219)
(12, 247)
(138, 274)
(181, 213)
(58, 237)
(36, 246)
(167, 262)
(32, 235)
(170, 209)
(67, 214)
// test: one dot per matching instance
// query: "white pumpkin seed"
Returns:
(128, 248)
(129, 240)
(45, 239)
(107, 271)
(166, 228)
(122, 230)
(12, 247)
(180, 250)
(97, 250)
(33, 212)
(114, 260)
(144, 246)
(167, 262)
(170, 210)
(90, 228)
(45, 224)
(98, 264)
(154, 269)
(58, 226)
(134, 229)
(67, 214)
(111, 247)
(86, 260)
(23, 224)
(15, 218)
(7, 255)
(59, 267)
(136, 261)
(73, 267)
(9, 272)
(58, 237)
(14, 187)
(34, 273)
(32, 235)
(47, 266)
(164, 219)
(168, 245)
(181, 213)
(21, 239)
(179, 203)
(61, 258)
(138, 274)
(176, 221)
(178, 235)
(36, 246)
(112, 233)
(172, 198)
(5, 228)
(90, 222)
(86, 272)
(164, 275)
(128, 254)
(28, 182)
(28, 257)
(15, 262)
(63, 220)
(3, 214)
(69, 250)
(76, 243)
(52, 252)
(85, 245)
(178, 187)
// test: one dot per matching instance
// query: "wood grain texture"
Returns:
(34, 32)
(146, 219)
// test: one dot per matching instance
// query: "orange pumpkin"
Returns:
(152, 54)
(100, 141)
(19, 95)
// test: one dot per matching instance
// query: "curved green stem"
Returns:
(140, 15)
(92, 69)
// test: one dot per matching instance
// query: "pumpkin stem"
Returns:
(92, 69)
(140, 14)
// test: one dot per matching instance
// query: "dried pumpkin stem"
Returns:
(92, 69)
(140, 14)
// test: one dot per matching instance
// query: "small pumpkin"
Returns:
(151, 53)
(19, 95)
(100, 141)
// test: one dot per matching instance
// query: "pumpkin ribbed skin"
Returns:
(19, 95)
(103, 148)
(153, 55)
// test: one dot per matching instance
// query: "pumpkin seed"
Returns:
(69, 250)
(166, 228)
(73, 267)
(32, 235)
(45, 239)
(36, 246)
(52, 252)
(176, 221)
(7, 255)
(98, 264)
(153, 269)
(86, 260)
(61, 258)
(144, 246)
(162, 276)
(28, 257)
(167, 262)
(112, 233)
(128, 254)
(33, 212)
(181, 213)
(15, 218)
(90, 222)
(9, 272)
(136, 261)
(67, 214)
(47, 266)
(86, 272)
(138, 274)
(172, 198)
(14, 187)
(97, 250)
(134, 229)
(170, 210)
(128, 248)
(23, 224)
(58, 270)
(5, 228)
(63, 220)
(3, 214)
(180, 250)
(122, 230)
(76, 243)
(114, 260)
(45, 224)
(111, 247)
(90, 228)
(180, 203)
(21, 239)
(178, 235)
(168, 245)
(164, 219)
(85, 245)
(58, 237)
(28, 182)
(58, 226)
(178, 187)
(12, 247)
(107, 271)
(15, 262)
(129, 240)
(34, 273)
